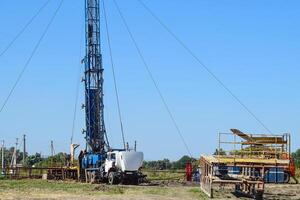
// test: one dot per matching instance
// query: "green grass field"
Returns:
(41, 189)
(173, 190)
(165, 175)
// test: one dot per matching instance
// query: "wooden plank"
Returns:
(241, 134)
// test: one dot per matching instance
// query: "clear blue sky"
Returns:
(252, 46)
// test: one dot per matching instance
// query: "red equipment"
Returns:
(188, 171)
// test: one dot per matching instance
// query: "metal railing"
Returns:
(257, 146)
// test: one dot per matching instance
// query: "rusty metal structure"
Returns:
(215, 171)
(248, 161)
(54, 173)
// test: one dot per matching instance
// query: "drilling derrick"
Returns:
(100, 163)
(94, 107)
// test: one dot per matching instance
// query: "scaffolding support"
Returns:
(261, 158)
(2, 157)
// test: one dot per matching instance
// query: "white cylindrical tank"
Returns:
(129, 160)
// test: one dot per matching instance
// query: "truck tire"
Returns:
(87, 176)
(111, 178)
(135, 181)
(259, 195)
(287, 177)
(93, 177)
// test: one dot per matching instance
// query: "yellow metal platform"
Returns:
(226, 160)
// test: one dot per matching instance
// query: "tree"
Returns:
(33, 159)
(166, 164)
(181, 163)
(221, 153)
(158, 165)
(8, 153)
(58, 160)
(296, 156)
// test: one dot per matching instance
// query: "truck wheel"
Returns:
(259, 195)
(88, 177)
(135, 181)
(111, 178)
(93, 177)
(286, 177)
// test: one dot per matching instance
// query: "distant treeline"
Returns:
(36, 160)
(62, 159)
(8, 153)
(166, 164)
(296, 156)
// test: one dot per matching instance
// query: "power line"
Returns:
(76, 102)
(77, 86)
(114, 75)
(202, 64)
(152, 78)
(24, 28)
(31, 55)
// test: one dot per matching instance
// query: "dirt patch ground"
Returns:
(272, 192)
(38, 189)
(288, 191)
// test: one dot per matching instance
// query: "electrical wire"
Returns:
(76, 102)
(31, 56)
(24, 28)
(114, 75)
(203, 65)
(152, 78)
(108, 124)
(78, 80)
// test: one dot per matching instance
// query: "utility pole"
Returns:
(52, 152)
(52, 149)
(2, 157)
(15, 156)
(16, 149)
(24, 149)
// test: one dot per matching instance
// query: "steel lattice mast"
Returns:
(94, 107)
